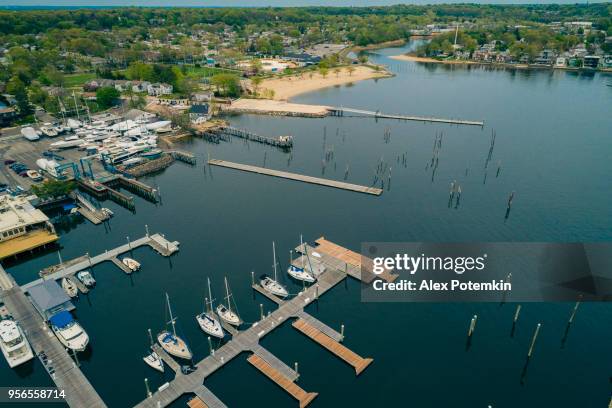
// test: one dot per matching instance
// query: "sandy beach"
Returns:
(287, 87)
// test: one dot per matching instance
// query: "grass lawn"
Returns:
(73, 80)
(206, 71)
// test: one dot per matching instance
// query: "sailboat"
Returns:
(207, 320)
(272, 285)
(172, 343)
(226, 313)
(154, 362)
(300, 273)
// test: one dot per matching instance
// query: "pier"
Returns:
(298, 177)
(61, 368)
(340, 112)
(248, 341)
(71, 267)
(283, 142)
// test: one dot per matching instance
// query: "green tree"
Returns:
(226, 84)
(107, 97)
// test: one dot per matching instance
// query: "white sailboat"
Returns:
(300, 273)
(154, 362)
(207, 320)
(272, 285)
(172, 343)
(226, 313)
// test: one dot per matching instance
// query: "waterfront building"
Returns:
(22, 227)
(49, 299)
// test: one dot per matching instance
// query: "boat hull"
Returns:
(210, 326)
(174, 345)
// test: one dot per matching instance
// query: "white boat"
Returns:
(300, 273)
(86, 278)
(74, 124)
(69, 331)
(172, 343)
(158, 125)
(154, 362)
(49, 166)
(34, 175)
(131, 263)
(69, 287)
(48, 130)
(29, 133)
(226, 313)
(108, 211)
(69, 142)
(14, 344)
(272, 285)
(207, 320)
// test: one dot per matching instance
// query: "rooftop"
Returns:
(48, 295)
(18, 212)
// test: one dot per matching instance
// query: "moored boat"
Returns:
(69, 287)
(154, 362)
(14, 344)
(172, 343)
(132, 264)
(86, 278)
(207, 320)
(69, 331)
(272, 285)
(226, 313)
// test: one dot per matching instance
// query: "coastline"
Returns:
(290, 86)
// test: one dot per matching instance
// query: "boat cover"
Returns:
(61, 319)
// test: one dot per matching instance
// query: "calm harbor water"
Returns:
(553, 144)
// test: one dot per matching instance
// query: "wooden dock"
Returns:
(298, 177)
(156, 241)
(340, 112)
(285, 383)
(332, 345)
(121, 266)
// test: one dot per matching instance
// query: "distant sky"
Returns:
(262, 3)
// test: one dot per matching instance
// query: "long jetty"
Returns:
(339, 111)
(221, 132)
(156, 241)
(263, 360)
(298, 177)
(59, 365)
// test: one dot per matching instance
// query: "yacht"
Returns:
(131, 263)
(272, 285)
(70, 141)
(226, 313)
(68, 331)
(207, 320)
(69, 287)
(14, 344)
(29, 133)
(172, 343)
(87, 278)
(154, 362)
(300, 273)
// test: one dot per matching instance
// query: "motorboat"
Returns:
(34, 175)
(86, 278)
(154, 362)
(152, 154)
(14, 343)
(207, 320)
(48, 166)
(107, 211)
(68, 331)
(226, 313)
(132, 264)
(272, 285)
(67, 143)
(30, 134)
(172, 343)
(69, 287)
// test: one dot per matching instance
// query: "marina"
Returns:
(298, 177)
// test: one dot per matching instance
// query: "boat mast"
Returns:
(210, 299)
(171, 317)
(304, 248)
(229, 302)
(274, 259)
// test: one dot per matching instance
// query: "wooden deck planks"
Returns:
(358, 362)
(292, 388)
(298, 177)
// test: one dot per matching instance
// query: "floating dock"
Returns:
(340, 112)
(332, 345)
(298, 177)
(292, 388)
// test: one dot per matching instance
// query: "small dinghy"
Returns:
(131, 263)
(69, 287)
(154, 362)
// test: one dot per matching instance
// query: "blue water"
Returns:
(553, 143)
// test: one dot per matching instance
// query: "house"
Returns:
(122, 85)
(199, 113)
(591, 61)
(7, 115)
(546, 57)
(140, 86)
(202, 96)
(158, 89)
(49, 298)
(561, 62)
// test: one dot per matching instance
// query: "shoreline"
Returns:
(428, 60)
(289, 86)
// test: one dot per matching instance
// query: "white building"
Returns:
(158, 89)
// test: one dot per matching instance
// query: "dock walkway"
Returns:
(156, 241)
(62, 369)
(298, 177)
(340, 112)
